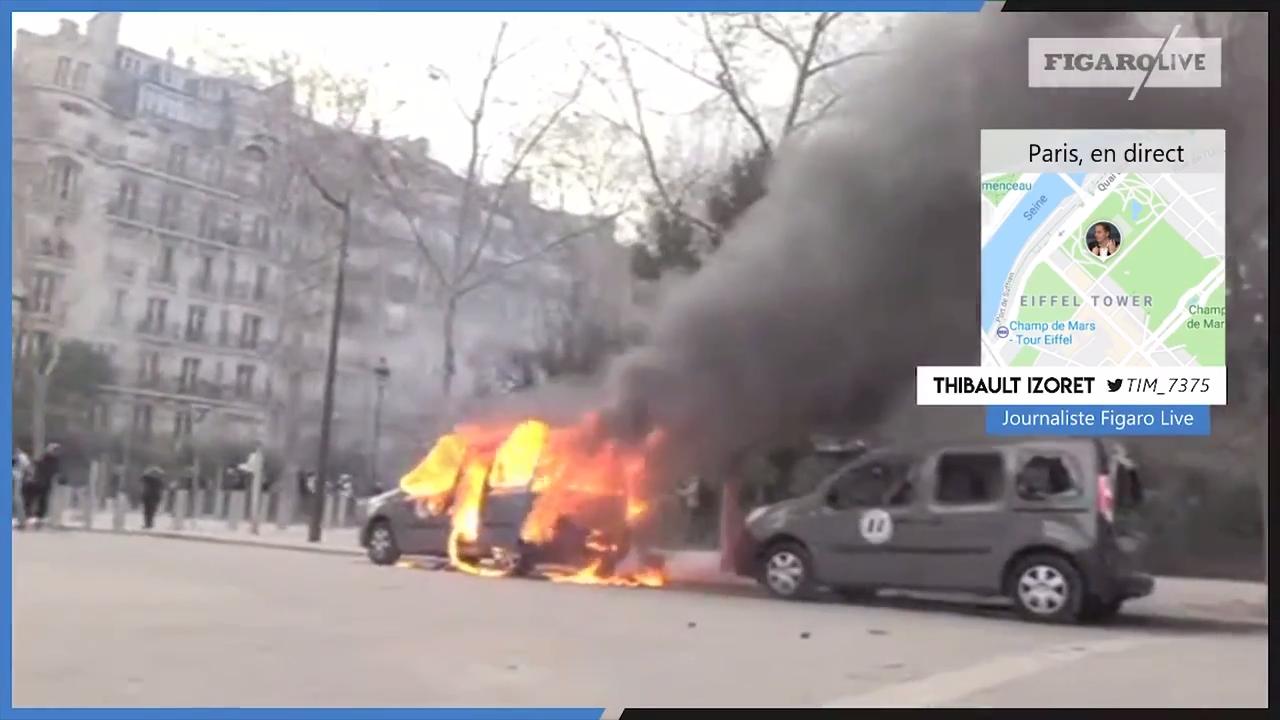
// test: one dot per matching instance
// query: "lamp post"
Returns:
(381, 374)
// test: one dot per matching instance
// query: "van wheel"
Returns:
(1047, 588)
(382, 547)
(786, 571)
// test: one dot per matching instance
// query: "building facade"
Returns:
(150, 220)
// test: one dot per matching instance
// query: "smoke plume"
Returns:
(862, 262)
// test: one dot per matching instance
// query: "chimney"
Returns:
(103, 31)
(68, 29)
(168, 56)
(377, 127)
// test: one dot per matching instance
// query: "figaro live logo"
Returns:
(1134, 63)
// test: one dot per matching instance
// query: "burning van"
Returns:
(498, 501)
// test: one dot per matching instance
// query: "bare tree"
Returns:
(494, 228)
(735, 56)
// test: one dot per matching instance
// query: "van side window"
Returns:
(1044, 477)
(880, 483)
(969, 478)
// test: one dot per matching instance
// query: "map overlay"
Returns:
(1057, 292)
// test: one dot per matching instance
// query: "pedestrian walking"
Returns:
(21, 471)
(39, 484)
(152, 491)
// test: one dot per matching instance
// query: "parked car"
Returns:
(399, 525)
(1051, 524)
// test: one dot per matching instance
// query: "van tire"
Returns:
(1047, 587)
(786, 571)
(381, 544)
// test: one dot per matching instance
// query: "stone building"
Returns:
(155, 218)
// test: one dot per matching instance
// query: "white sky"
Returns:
(395, 51)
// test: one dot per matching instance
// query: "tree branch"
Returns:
(728, 83)
(410, 217)
(642, 135)
(522, 154)
(499, 268)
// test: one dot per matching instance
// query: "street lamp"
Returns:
(381, 374)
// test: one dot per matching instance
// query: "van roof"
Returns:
(1104, 447)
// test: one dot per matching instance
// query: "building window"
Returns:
(64, 178)
(244, 381)
(178, 160)
(190, 374)
(170, 211)
(46, 285)
(118, 308)
(99, 416)
(209, 221)
(62, 73)
(196, 316)
(969, 478)
(182, 424)
(224, 328)
(126, 203)
(260, 282)
(164, 272)
(204, 281)
(250, 329)
(149, 367)
(157, 308)
(261, 231)
(142, 420)
(217, 169)
(80, 77)
(231, 233)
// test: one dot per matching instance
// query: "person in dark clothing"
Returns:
(35, 491)
(152, 490)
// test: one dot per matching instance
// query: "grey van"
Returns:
(1051, 524)
(400, 525)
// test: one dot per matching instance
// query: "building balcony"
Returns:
(120, 268)
(250, 293)
(202, 286)
(155, 329)
(199, 389)
(162, 278)
(57, 252)
(52, 203)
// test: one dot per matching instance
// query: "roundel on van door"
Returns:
(876, 526)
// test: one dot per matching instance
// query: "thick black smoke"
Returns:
(862, 262)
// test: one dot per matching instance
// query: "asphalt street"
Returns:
(130, 621)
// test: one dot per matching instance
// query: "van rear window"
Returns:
(1043, 477)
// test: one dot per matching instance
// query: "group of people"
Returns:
(33, 483)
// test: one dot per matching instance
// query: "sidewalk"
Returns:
(1186, 598)
(334, 541)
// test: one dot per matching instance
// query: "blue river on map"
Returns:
(1003, 248)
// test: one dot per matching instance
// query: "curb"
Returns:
(1241, 612)
(214, 540)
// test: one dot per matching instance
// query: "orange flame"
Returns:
(577, 478)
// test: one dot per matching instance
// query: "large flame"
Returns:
(577, 478)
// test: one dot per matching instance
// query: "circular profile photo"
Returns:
(1102, 239)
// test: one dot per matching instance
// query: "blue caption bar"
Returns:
(1091, 420)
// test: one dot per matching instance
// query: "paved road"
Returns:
(133, 621)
